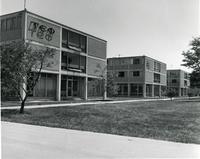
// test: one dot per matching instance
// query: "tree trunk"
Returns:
(22, 107)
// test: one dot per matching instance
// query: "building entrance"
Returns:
(70, 87)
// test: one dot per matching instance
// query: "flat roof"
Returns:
(177, 70)
(135, 57)
(54, 22)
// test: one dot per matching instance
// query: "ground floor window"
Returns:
(136, 89)
(123, 89)
(46, 86)
(148, 90)
(156, 90)
(95, 87)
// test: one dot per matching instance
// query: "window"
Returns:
(174, 81)
(136, 73)
(19, 22)
(64, 38)
(156, 78)
(185, 83)
(121, 74)
(73, 62)
(148, 65)
(8, 24)
(73, 40)
(157, 67)
(136, 61)
(136, 90)
(185, 75)
(123, 89)
(3, 25)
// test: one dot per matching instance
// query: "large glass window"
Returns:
(73, 40)
(136, 90)
(157, 66)
(121, 74)
(3, 25)
(156, 78)
(73, 62)
(136, 73)
(123, 89)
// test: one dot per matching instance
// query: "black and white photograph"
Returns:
(100, 79)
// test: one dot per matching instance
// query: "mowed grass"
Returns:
(177, 121)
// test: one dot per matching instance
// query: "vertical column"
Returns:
(160, 91)
(129, 89)
(152, 90)
(179, 91)
(86, 88)
(58, 91)
(144, 90)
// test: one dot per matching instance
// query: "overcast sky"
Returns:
(160, 29)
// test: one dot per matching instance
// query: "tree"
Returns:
(192, 56)
(21, 68)
(112, 88)
(171, 93)
(102, 73)
(107, 79)
(195, 79)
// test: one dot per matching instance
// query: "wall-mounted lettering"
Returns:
(41, 31)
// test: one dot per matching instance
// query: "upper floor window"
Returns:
(156, 78)
(73, 40)
(174, 81)
(185, 75)
(148, 65)
(3, 25)
(11, 23)
(185, 83)
(136, 73)
(136, 61)
(157, 66)
(73, 62)
(121, 74)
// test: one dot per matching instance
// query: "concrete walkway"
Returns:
(21, 141)
(83, 103)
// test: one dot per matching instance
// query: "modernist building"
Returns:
(138, 76)
(178, 81)
(77, 60)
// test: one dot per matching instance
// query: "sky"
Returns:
(161, 29)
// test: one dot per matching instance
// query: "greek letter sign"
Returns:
(43, 32)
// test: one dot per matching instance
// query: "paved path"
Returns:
(83, 103)
(21, 141)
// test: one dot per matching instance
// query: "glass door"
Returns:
(70, 88)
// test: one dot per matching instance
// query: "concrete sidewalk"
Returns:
(84, 103)
(21, 141)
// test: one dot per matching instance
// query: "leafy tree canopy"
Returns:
(21, 66)
(192, 56)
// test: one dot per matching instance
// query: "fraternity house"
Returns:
(79, 57)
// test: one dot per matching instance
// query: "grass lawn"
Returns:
(165, 120)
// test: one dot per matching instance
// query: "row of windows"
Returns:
(11, 23)
(175, 81)
(134, 73)
(73, 40)
(132, 61)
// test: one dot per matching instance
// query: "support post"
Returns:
(58, 91)
(152, 91)
(144, 90)
(86, 88)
